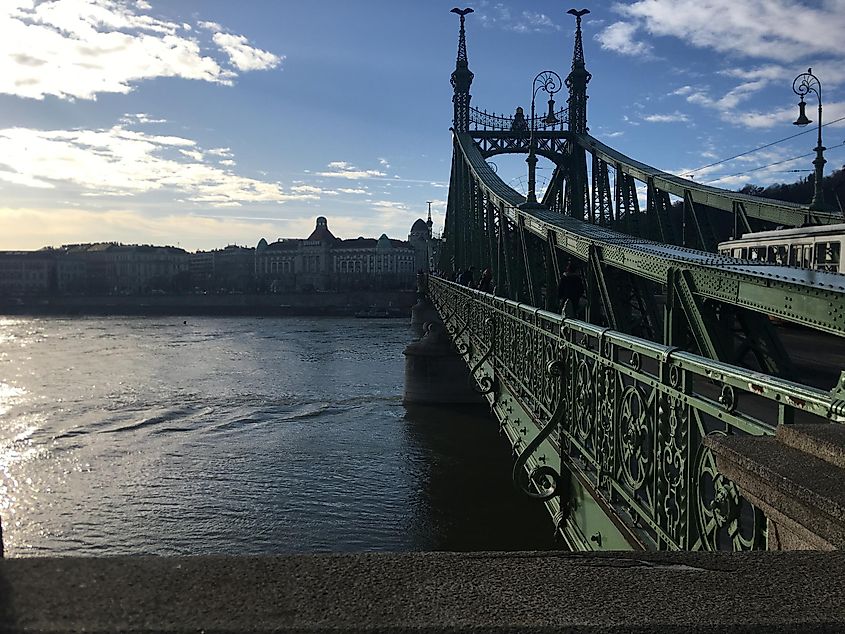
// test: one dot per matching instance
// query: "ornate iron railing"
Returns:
(626, 415)
(490, 121)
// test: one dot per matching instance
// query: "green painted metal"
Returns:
(703, 324)
(628, 418)
(526, 263)
(814, 300)
(778, 212)
(461, 78)
(703, 237)
(621, 416)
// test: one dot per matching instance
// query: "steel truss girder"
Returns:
(700, 316)
(657, 209)
(553, 197)
(601, 211)
(704, 236)
(551, 144)
(597, 285)
(621, 294)
(526, 271)
(776, 211)
(816, 300)
(627, 202)
(764, 343)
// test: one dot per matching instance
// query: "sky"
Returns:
(204, 123)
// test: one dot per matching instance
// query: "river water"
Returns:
(240, 436)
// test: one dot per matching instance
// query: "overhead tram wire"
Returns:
(755, 169)
(691, 173)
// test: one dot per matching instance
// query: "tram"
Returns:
(818, 248)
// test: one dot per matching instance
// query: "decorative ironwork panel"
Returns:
(635, 414)
(483, 120)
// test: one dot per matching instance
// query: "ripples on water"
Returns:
(240, 436)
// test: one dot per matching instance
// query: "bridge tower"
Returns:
(461, 79)
(577, 201)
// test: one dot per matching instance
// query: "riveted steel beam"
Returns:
(701, 317)
(598, 283)
(779, 212)
(812, 298)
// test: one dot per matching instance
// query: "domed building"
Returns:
(325, 262)
(423, 242)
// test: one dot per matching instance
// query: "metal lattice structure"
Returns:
(623, 397)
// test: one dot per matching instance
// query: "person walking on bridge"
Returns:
(485, 284)
(465, 278)
(569, 291)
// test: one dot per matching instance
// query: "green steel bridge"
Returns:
(608, 415)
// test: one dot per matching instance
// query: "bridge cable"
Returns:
(716, 180)
(762, 147)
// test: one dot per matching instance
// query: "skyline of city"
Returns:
(137, 121)
(218, 247)
(319, 261)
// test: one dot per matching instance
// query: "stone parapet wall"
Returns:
(458, 592)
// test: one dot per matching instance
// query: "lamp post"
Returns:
(550, 82)
(804, 84)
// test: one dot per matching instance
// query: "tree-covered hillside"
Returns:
(802, 191)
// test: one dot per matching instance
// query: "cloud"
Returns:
(243, 56)
(29, 228)
(730, 100)
(343, 169)
(500, 16)
(351, 190)
(763, 167)
(210, 26)
(787, 34)
(125, 161)
(394, 214)
(77, 49)
(140, 117)
(783, 30)
(675, 117)
(311, 189)
(621, 38)
(193, 154)
(754, 119)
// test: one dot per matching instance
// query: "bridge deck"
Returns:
(812, 298)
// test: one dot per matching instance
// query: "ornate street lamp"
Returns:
(550, 82)
(804, 84)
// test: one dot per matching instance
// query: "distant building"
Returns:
(424, 243)
(223, 270)
(319, 262)
(129, 269)
(325, 262)
(201, 269)
(71, 273)
(234, 269)
(27, 272)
